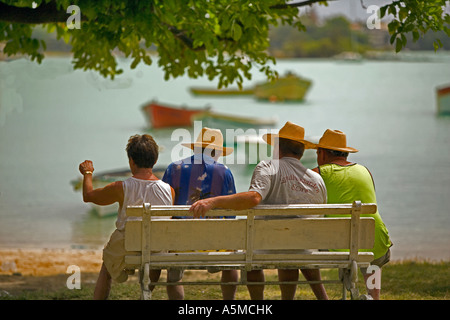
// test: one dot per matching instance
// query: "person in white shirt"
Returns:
(282, 180)
(142, 187)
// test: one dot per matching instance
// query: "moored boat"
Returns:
(220, 92)
(443, 100)
(229, 121)
(287, 88)
(163, 115)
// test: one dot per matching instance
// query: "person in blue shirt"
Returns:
(198, 177)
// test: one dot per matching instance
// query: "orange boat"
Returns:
(164, 116)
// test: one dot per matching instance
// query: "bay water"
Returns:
(52, 118)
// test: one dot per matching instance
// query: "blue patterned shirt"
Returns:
(198, 177)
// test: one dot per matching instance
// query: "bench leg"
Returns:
(349, 277)
(146, 293)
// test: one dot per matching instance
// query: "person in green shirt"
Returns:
(346, 182)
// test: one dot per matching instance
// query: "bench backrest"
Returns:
(249, 231)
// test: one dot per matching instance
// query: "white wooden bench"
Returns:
(243, 238)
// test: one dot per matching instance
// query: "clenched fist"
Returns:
(86, 167)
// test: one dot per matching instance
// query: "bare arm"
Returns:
(109, 194)
(238, 201)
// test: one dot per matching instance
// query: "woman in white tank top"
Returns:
(142, 187)
(137, 191)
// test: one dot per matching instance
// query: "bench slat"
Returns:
(183, 234)
(237, 259)
(230, 234)
(307, 209)
(323, 233)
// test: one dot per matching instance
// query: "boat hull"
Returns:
(289, 88)
(165, 116)
(219, 92)
(225, 121)
(443, 100)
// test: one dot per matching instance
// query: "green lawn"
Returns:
(408, 280)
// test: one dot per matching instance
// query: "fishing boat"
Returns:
(287, 88)
(102, 179)
(163, 116)
(443, 100)
(229, 121)
(220, 92)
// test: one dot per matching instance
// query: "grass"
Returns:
(407, 280)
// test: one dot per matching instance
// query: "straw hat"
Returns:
(289, 131)
(334, 140)
(210, 138)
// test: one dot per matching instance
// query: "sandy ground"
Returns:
(44, 269)
(44, 262)
(23, 270)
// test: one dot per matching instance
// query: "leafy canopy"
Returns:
(222, 39)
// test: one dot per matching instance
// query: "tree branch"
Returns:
(296, 4)
(45, 13)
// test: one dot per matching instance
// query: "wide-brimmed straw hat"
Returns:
(334, 140)
(210, 139)
(289, 131)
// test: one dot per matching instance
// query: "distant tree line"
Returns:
(336, 35)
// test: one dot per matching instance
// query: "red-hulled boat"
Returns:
(163, 116)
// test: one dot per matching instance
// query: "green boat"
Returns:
(287, 88)
(220, 92)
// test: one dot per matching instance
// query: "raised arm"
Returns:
(238, 201)
(109, 194)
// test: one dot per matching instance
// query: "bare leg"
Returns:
(103, 286)
(229, 291)
(318, 288)
(154, 277)
(175, 292)
(288, 290)
(256, 291)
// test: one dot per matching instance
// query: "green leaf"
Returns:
(237, 32)
(398, 45)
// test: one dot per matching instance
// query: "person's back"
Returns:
(352, 182)
(287, 181)
(347, 182)
(201, 177)
(142, 187)
(138, 191)
(198, 177)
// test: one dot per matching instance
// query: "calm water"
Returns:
(52, 118)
